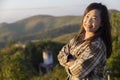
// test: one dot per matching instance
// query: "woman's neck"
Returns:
(88, 35)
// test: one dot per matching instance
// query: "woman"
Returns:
(84, 57)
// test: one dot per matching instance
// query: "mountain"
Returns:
(42, 27)
(113, 10)
(64, 38)
(39, 27)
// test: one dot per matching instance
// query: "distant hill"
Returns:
(113, 10)
(39, 27)
(65, 38)
(42, 27)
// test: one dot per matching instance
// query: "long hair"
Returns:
(105, 29)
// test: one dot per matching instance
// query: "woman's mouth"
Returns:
(89, 26)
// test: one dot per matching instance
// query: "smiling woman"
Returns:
(84, 57)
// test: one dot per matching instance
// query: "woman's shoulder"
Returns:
(72, 41)
(98, 42)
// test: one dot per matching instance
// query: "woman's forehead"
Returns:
(94, 12)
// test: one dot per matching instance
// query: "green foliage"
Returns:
(58, 73)
(115, 21)
(113, 63)
(15, 67)
(114, 66)
(17, 63)
(34, 51)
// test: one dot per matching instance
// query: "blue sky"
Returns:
(13, 10)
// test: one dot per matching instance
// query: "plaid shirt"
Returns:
(89, 60)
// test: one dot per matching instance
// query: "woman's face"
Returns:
(92, 21)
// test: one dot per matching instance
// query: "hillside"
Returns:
(37, 27)
(45, 27)
(64, 38)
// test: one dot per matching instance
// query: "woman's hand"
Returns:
(67, 49)
(70, 63)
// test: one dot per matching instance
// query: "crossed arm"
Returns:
(84, 63)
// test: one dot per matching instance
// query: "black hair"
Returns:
(105, 29)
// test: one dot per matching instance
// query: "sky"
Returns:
(13, 10)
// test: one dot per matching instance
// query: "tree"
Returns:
(15, 67)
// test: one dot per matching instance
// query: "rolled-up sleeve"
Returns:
(86, 62)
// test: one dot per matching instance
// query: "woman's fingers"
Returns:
(67, 49)
(70, 63)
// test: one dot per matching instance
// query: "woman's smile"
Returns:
(91, 21)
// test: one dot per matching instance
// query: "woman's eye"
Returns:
(94, 18)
